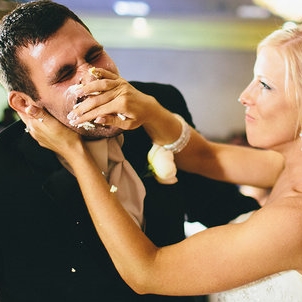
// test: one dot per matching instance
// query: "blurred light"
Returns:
(131, 8)
(140, 27)
(252, 11)
(287, 9)
(289, 25)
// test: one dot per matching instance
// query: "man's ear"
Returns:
(19, 101)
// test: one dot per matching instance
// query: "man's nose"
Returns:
(84, 75)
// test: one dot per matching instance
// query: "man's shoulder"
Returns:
(153, 87)
(150, 84)
(166, 94)
(12, 132)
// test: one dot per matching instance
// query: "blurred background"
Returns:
(206, 48)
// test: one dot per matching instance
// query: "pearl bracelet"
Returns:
(183, 139)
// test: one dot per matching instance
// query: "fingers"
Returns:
(101, 110)
(31, 113)
(40, 122)
(34, 118)
(49, 132)
(100, 80)
(98, 105)
(101, 73)
(96, 87)
(123, 106)
(91, 96)
(121, 116)
(36, 113)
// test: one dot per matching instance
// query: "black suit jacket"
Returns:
(49, 249)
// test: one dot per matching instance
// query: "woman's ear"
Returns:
(19, 101)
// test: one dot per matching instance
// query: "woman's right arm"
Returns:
(223, 162)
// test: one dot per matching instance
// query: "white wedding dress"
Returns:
(281, 287)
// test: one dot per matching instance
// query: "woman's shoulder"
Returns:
(283, 219)
(275, 231)
(284, 212)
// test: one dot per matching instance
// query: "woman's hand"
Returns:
(49, 132)
(111, 100)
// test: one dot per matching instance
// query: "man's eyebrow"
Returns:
(93, 49)
(54, 78)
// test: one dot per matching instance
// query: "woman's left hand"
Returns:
(48, 131)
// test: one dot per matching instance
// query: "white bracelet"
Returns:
(184, 138)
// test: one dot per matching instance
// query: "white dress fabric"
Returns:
(280, 287)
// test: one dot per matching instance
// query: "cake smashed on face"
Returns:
(93, 74)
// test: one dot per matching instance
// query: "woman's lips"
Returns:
(249, 118)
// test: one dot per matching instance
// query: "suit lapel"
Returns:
(58, 183)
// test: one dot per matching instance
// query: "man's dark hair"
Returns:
(28, 24)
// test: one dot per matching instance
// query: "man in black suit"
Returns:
(49, 248)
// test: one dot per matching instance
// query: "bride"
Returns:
(259, 259)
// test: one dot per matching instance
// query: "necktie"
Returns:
(130, 189)
(119, 173)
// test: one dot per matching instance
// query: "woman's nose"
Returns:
(242, 100)
(245, 97)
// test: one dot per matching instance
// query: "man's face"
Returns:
(59, 63)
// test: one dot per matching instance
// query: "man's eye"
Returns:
(65, 76)
(265, 86)
(94, 57)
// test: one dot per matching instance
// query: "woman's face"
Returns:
(270, 117)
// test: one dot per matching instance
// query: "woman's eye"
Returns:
(265, 85)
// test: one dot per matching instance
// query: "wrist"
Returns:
(183, 139)
(162, 126)
(73, 152)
